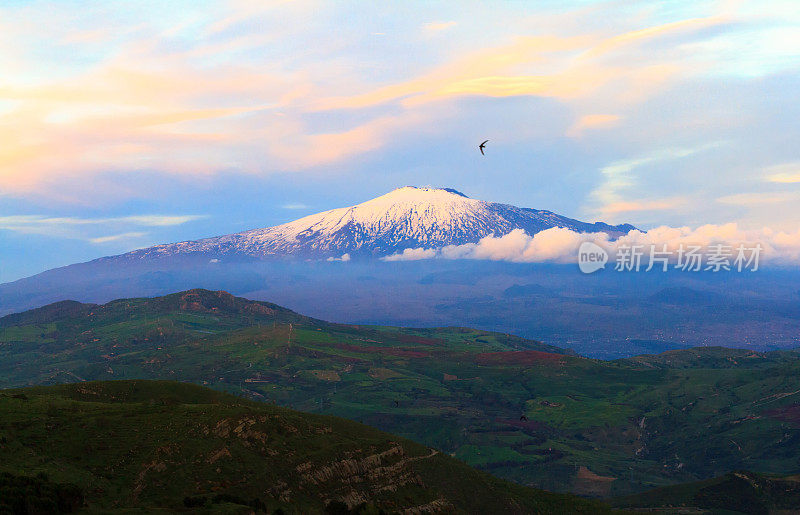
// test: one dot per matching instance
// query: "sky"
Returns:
(127, 124)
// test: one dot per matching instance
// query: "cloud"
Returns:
(619, 181)
(560, 74)
(345, 258)
(76, 227)
(413, 255)
(169, 99)
(592, 121)
(297, 205)
(554, 244)
(439, 26)
(564, 67)
(779, 246)
(786, 173)
(559, 245)
(15, 222)
(205, 89)
(548, 245)
(760, 199)
(157, 220)
(117, 237)
(633, 36)
(300, 151)
(641, 205)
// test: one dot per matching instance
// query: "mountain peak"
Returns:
(407, 217)
(426, 189)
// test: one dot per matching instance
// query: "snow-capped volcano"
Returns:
(408, 217)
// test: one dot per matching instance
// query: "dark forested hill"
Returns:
(167, 447)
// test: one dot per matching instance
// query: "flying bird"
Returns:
(482, 146)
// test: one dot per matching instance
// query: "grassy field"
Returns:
(150, 446)
(516, 408)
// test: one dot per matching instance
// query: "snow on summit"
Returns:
(408, 217)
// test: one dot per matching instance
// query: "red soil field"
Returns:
(522, 357)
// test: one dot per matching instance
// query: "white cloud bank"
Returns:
(345, 258)
(558, 245)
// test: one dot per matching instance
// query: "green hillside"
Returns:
(736, 492)
(513, 407)
(149, 446)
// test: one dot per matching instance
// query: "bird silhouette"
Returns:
(482, 146)
(396, 404)
(523, 418)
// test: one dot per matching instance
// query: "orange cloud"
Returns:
(439, 26)
(592, 121)
(787, 173)
(640, 205)
(158, 103)
(633, 36)
(297, 150)
(569, 65)
(476, 66)
(757, 199)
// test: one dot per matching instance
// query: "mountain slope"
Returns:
(156, 445)
(407, 217)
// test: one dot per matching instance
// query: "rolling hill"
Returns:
(516, 408)
(738, 492)
(157, 446)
